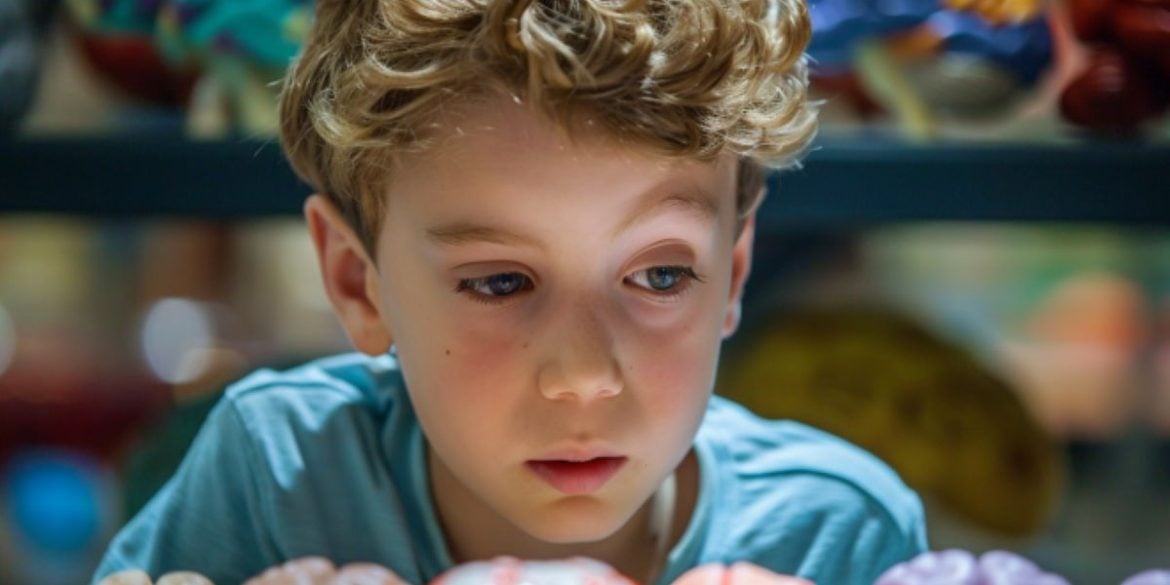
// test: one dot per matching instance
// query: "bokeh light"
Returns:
(176, 336)
(58, 508)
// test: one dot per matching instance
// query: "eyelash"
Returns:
(468, 285)
(687, 277)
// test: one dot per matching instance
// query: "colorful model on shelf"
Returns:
(922, 404)
(244, 47)
(921, 61)
(219, 58)
(117, 40)
(1119, 76)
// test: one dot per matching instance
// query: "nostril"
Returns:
(609, 392)
(558, 382)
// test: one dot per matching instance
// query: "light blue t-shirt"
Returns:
(328, 459)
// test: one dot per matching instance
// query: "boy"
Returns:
(535, 224)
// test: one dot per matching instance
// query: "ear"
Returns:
(350, 277)
(741, 266)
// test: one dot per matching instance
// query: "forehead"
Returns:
(498, 136)
(511, 126)
(495, 171)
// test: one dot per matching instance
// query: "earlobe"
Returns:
(349, 275)
(731, 320)
(741, 265)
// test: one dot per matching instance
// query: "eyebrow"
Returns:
(458, 233)
(693, 200)
(462, 232)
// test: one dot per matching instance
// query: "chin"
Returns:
(574, 524)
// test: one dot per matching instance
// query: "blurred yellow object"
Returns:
(1001, 11)
(881, 73)
(923, 405)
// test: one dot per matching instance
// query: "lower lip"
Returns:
(577, 478)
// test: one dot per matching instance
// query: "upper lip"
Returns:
(579, 453)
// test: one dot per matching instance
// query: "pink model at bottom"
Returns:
(498, 571)
(736, 574)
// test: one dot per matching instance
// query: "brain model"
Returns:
(948, 567)
(512, 571)
(958, 567)
(499, 571)
(1154, 577)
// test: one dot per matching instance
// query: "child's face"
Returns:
(540, 297)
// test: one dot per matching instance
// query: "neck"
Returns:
(475, 532)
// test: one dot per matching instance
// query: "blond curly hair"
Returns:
(688, 78)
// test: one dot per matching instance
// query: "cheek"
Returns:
(676, 365)
(676, 370)
(470, 349)
(464, 366)
(452, 349)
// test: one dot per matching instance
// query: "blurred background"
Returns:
(970, 276)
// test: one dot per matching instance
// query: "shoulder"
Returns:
(762, 453)
(835, 501)
(280, 451)
(287, 418)
(312, 394)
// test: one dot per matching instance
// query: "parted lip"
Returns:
(580, 453)
(577, 478)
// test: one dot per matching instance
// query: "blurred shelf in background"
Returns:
(844, 183)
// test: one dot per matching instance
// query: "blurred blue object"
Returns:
(1024, 49)
(266, 33)
(52, 500)
(57, 511)
(840, 25)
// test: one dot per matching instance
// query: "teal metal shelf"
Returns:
(850, 184)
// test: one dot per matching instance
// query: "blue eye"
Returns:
(496, 285)
(663, 279)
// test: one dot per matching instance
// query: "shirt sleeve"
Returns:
(209, 517)
(859, 536)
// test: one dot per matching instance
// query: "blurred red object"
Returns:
(1090, 19)
(848, 87)
(1127, 81)
(58, 393)
(135, 66)
(1114, 94)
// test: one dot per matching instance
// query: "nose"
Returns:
(582, 365)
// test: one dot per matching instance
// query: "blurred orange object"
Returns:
(1001, 11)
